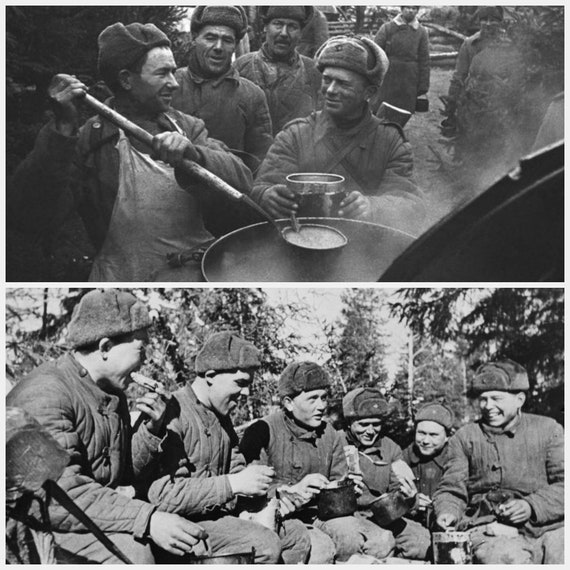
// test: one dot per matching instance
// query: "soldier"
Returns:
(508, 468)
(307, 454)
(289, 80)
(126, 193)
(233, 108)
(201, 470)
(406, 44)
(345, 138)
(79, 399)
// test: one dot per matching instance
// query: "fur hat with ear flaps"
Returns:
(355, 53)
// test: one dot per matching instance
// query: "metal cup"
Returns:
(318, 194)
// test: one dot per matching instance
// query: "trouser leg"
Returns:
(322, 547)
(84, 548)
(295, 542)
(412, 540)
(230, 535)
(551, 547)
(352, 535)
(501, 549)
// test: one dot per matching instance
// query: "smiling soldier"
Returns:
(126, 193)
(346, 139)
(307, 453)
(80, 400)
(201, 470)
(289, 80)
(507, 467)
(233, 108)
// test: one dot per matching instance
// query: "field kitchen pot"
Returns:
(338, 499)
(390, 507)
(318, 194)
(258, 253)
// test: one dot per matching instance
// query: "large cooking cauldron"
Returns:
(259, 253)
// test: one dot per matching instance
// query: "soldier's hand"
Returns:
(358, 480)
(172, 147)
(355, 206)
(446, 520)
(423, 502)
(64, 91)
(311, 484)
(174, 533)
(515, 511)
(291, 500)
(154, 406)
(252, 481)
(279, 201)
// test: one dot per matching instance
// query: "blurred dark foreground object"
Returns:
(514, 231)
(34, 461)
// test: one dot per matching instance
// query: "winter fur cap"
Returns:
(504, 375)
(226, 351)
(106, 313)
(355, 53)
(302, 377)
(363, 403)
(121, 46)
(489, 12)
(300, 13)
(232, 16)
(434, 412)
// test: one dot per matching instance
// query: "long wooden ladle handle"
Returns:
(189, 166)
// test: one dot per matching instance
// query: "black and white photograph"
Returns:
(285, 425)
(284, 144)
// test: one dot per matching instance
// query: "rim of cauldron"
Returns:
(231, 235)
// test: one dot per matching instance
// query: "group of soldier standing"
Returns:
(201, 490)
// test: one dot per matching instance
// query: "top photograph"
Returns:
(240, 144)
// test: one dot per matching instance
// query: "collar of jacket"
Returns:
(416, 457)
(399, 20)
(107, 401)
(325, 126)
(293, 60)
(302, 432)
(509, 430)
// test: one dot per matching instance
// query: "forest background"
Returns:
(447, 334)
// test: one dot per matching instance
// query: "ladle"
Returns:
(311, 236)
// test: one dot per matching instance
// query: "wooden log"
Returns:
(444, 30)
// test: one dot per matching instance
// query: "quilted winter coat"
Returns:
(93, 426)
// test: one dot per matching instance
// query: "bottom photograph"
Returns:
(284, 425)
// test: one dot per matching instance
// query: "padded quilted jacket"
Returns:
(93, 426)
(199, 451)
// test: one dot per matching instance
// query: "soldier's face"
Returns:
(123, 357)
(215, 46)
(308, 408)
(366, 430)
(153, 87)
(430, 438)
(489, 26)
(226, 388)
(282, 36)
(499, 408)
(345, 92)
(409, 12)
